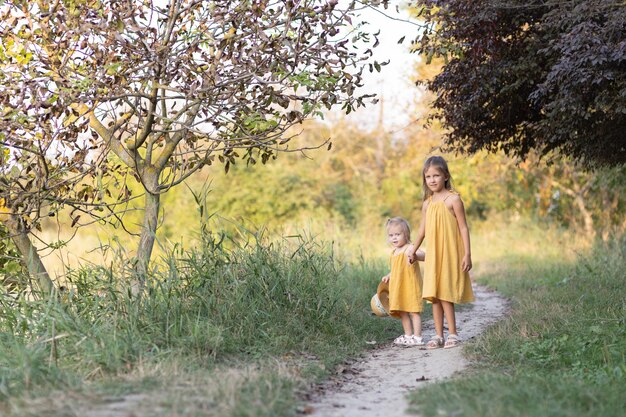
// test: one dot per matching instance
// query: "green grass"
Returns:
(561, 352)
(241, 331)
(270, 316)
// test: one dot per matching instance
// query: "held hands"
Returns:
(386, 278)
(412, 258)
(467, 263)
(416, 255)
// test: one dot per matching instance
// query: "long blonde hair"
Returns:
(441, 164)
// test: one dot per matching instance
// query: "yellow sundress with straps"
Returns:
(405, 285)
(444, 278)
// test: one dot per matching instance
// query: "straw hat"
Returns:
(380, 300)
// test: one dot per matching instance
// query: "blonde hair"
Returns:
(441, 164)
(404, 226)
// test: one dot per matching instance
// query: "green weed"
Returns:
(205, 310)
(562, 350)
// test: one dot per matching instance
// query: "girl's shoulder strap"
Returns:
(406, 249)
(452, 193)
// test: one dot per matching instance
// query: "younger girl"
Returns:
(405, 283)
(446, 278)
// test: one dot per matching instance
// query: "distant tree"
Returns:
(172, 86)
(523, 75)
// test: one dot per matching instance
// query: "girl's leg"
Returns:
(448, 311)
(406, 338)
(436, 342)
(438, 317)
(406, 323)
(416, 320)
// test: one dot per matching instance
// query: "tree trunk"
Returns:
(578, 192)
(148, 231)
(30, 256)
(587, 218)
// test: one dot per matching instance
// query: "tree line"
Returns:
(109, 105)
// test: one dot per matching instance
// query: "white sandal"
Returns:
(418, 341)
(414, 341)
(435, 342)
(401, 340)
(453, 341)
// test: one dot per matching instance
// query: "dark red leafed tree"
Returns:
(545, 75)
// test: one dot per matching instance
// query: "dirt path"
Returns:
(376, 385)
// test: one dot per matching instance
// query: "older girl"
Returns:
(446, 277)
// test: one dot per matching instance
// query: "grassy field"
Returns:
(224, 332)
(244, 331)
(561, 352)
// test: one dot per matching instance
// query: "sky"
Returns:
(395, 84)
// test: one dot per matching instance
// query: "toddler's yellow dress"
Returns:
(405, 286)
(444, 278)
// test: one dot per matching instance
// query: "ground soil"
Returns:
(377, 384)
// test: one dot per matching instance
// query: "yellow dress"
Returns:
(444, 278)
(405, 286)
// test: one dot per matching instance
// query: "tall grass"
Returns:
(562, 350)
(204, 308)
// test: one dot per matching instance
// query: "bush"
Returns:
(206, 305)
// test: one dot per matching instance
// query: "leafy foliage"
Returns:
(11, 269)
(522, 75)
(168, 87)
(346, 193)
(180, 85)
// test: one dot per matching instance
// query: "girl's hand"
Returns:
(412, 254)
(412, 257)
(385, 279)
(467, 263)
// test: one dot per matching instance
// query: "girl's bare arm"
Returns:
(459, 213)
(421, 232)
